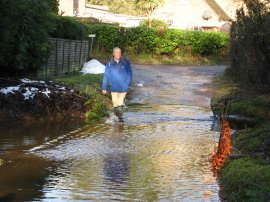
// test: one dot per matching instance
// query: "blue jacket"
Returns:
(119, 75)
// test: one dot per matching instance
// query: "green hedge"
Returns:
(140, 40)
(25, 29)
(68, 28)
(24, 35)
(169, 41)
(107, 35)
(156, 24)
(53, 5)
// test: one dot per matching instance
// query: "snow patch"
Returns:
(93, 67)
(61, 88)
(30, 93)
(10, 89)
(46, 92)
(25, 80)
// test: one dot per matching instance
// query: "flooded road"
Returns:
(161, 153)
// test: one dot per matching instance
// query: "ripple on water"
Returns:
(160, 153)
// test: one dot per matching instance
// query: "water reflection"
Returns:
(18, 136)
(160, 159)
(160, 153)
(116, 165)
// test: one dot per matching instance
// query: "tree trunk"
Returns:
(150, 19)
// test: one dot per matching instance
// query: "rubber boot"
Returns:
(118, 111)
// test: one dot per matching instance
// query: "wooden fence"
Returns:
(66, 56)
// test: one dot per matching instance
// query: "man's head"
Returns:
(117, 53)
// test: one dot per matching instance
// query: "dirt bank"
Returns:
(245, 175)
(24, 100)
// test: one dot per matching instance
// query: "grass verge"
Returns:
(89, 85)
(246, 178)
(241, 100)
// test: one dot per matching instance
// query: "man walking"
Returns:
(118, 73)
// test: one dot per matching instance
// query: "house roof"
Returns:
(97, 7)
(218, 10)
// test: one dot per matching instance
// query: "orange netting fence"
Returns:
(223, 149)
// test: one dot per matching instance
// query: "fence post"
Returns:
(80, 62)
(69, 51)
(75, 51)
(56, 57)
(90, 47)
(47, 67)
(63, 57)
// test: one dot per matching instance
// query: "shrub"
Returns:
(144, 40)
(24, 35)
(156, 24)
(53, 5)
(98, 111)
(68, 28)
(107, 36)
(88, 20)
(171, 41)
(96, 103)
(250, 39)
(140, 40)
(207, 43)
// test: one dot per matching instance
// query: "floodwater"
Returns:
(161, 153)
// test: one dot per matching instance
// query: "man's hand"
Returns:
(104, 92)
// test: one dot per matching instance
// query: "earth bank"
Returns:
(74, 96)
(246, 174)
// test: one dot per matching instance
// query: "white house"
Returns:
(72, 7)
(197, 14)
(183, 14)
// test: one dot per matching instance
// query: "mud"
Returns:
(37, 101)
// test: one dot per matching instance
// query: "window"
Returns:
(169, 22)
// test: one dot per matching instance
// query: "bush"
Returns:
(156, 24)
(245, 180)
(250, 39)
(53, 5)
(107, 36)
(170, 41)
(97, 104)
(207, 43)
(24, 35)
(140, 40)
(68, 28)
(98, 112)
